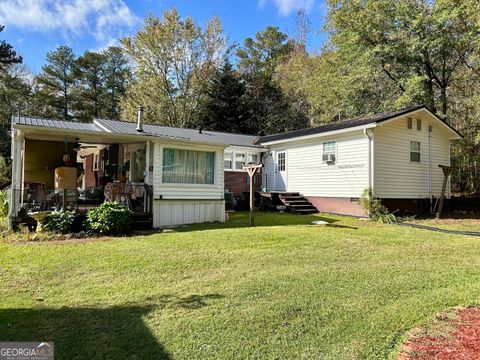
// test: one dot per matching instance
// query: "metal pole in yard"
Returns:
(251, 170)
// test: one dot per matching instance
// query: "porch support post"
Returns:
(146, 197)
(446, 173)
(147, 162)
(18, 140)
(252, 169)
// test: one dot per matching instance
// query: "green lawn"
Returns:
(281, 290)
(451, 224)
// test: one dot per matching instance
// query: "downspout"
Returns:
(430, 195)
(371, 154)
(263, 158)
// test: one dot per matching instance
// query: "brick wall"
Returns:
(237, 183)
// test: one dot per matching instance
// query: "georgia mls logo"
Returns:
(26, 351)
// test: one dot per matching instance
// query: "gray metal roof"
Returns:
(125, 127)
(129, 128)
(56, 124)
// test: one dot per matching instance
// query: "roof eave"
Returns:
(322, 134)
(111, 135)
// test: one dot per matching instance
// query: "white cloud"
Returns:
(100, 18)
(285, 7)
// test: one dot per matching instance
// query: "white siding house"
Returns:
(396, 175)
(396, 154)
(186, 172)
(184, 187)
(178, 203)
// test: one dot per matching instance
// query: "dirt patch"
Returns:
(452, 336)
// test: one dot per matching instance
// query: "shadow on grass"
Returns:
(262, 219)
(117, 332)
(191, 302)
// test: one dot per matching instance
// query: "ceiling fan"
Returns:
(77, 146)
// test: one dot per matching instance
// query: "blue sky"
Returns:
(35, 27)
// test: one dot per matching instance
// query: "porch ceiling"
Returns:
(101, 139)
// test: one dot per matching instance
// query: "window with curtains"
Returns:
(188, 166)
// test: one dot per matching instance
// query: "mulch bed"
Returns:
(453, 336)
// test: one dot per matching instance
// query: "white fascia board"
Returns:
(323, 134)
(455, 137)
(250, 149)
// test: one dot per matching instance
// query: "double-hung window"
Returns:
(239, 161)
(329, 152)
(415, 151)
(228, 160)
(253, 158)
(188, 166)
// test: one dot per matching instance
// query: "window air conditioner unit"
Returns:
(328, 158)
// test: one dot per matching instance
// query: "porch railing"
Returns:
(138, 200)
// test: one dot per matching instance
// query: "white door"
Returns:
(280, 171)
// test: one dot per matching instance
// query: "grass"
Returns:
(451, 224)
(283, 289)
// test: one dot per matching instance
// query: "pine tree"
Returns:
(225, 109)
(7, 54)
(55, 84)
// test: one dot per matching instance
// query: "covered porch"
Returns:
(78, 171)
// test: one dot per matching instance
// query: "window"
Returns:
(414, 151)
(96, 161)
(228, 160)
(329, 151)
(281, 161)
(253, 158)
(409, 123)
(188, 166)
(239, 161)
(419, 124)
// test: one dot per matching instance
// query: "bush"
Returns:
(109, 218)
(3, 203)
(375, 209)
(59, 221)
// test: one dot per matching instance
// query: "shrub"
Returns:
(59, 221)
(109, 218)
(3, 203)
(375, 209)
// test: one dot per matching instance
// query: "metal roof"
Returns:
(129, 128)
(125, 127)
(377, 118)
(56, 124)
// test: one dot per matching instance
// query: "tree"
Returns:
(7, 54)
(224, 108)
(89, 70)
(174, 59)
(55, 83)
(260, 56)
(270, 109)
(419, 44)
(117, 76)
